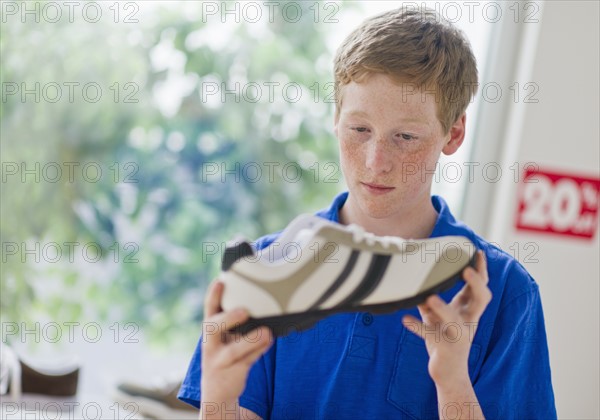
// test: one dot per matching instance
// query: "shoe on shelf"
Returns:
(28, 388)
(156, 401)
(21, 383)
(317, 268)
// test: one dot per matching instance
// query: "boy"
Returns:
(403, 82)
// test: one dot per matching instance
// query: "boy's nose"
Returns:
(378, 159)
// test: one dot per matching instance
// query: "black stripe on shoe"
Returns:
(369, 282)
(234, 253)
(338, 281)
(282, 325)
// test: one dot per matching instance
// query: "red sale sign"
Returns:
(558, 203)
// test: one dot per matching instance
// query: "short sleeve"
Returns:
(515, 379)
(190, 388)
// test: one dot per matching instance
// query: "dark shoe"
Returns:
(58, 383)
(18, 377)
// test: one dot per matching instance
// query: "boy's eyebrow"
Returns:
(359, 113)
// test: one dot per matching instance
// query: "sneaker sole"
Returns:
(282, 325)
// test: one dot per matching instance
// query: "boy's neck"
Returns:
(416, 222)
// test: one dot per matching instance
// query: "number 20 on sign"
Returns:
(558, 203)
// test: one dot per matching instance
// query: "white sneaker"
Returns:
(317, 268)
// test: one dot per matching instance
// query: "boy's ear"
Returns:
(336, 120)
(456, 135)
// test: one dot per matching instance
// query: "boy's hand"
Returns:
(448, 329)
(227, 357)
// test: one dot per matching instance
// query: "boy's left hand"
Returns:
(448, 329)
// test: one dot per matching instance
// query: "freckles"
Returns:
(416, 169)
(354, 153)
(351, 153)
(417, 158)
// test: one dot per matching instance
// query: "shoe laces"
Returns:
(360, 235)
(10, 372)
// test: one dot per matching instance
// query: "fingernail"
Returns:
(433, 299)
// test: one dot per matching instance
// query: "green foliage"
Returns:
(157, 209)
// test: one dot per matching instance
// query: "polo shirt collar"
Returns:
(444, 220)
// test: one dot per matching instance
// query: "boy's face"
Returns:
(390, 140)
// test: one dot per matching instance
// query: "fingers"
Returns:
(437, 330)
(252, 357)
(245, 348)
(266, 339)
(481, 263)
(212, 302)
(466, 306)
(440, 309)
(215, 330)
(477, 280)
(480, 267)
(413, 325)
(229, 319)
(435, 311)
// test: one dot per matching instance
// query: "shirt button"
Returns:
(367, 319)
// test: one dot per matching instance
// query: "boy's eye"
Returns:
(405, 136)
(360, 129)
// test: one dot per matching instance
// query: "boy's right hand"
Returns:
(227, 357)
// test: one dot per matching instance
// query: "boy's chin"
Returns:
(378, 207)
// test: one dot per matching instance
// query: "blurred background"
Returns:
(138, 137)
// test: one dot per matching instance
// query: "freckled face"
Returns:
(390, 140)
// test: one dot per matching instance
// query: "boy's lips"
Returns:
(376, 188)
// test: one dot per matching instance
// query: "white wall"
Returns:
(561, 132)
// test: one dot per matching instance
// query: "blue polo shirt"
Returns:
(365, 366)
